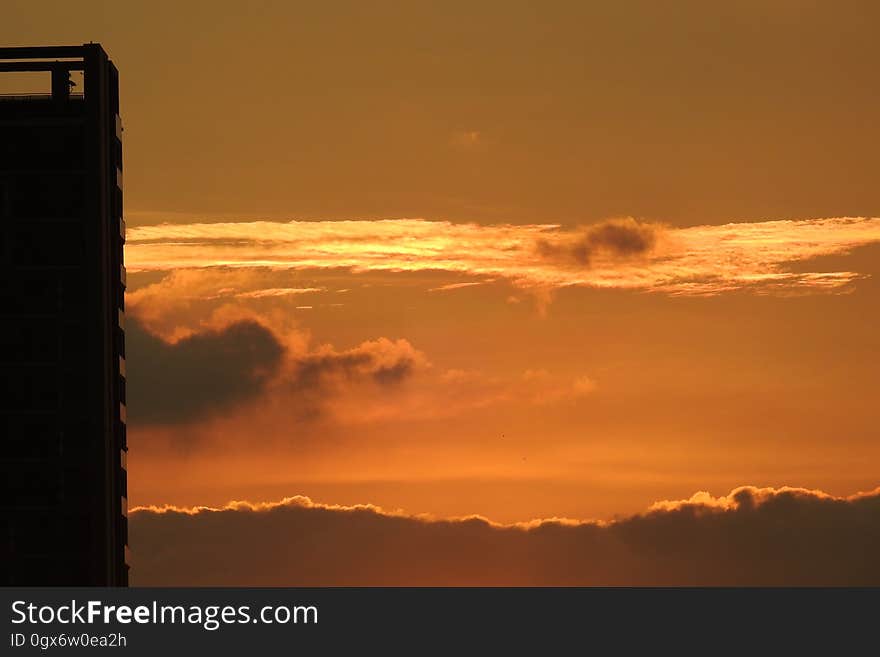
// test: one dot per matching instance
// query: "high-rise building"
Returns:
(63, 507)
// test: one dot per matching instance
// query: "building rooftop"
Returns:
(58, 61)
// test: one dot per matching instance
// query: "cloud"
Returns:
(382, 361)
(440, 395)
(242, 367)
(458, 286)
(700, 260)
(199, 375)
(753, 536)
(278, 373)
(164, 305)
(620, 238)
(278, 292)
(468, 139)
(236, 357)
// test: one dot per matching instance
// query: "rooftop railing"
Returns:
(8, 97)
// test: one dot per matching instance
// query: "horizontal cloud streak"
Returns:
(754, 536)
(616, 254)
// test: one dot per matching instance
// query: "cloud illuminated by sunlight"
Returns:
(700, 260)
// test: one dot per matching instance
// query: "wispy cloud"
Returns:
(458, 286)
(619, 254)
(278, 292)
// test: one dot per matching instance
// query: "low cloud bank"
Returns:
(753, 536)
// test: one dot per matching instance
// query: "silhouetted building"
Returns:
(63, 508)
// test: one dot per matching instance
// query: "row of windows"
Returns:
(31, 439)
(42, 147)
(47, 484)
(43, 244)
(44, 532)
(47, 292)
(51, 567)
(43, 196)
(36, 388)
(47, 436)
(35, 294)
(42, 341)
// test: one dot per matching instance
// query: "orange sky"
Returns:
(494, 258)
(526, 385)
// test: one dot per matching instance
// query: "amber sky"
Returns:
(514, 259)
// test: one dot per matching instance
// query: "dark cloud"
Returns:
(620, 238)
(755, 537)
(394, 373)
(315, 381)
(198, 375)
(381, 361)
(211, 372)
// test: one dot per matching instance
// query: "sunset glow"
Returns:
(569, 281)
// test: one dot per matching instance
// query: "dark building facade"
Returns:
(63, 506)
